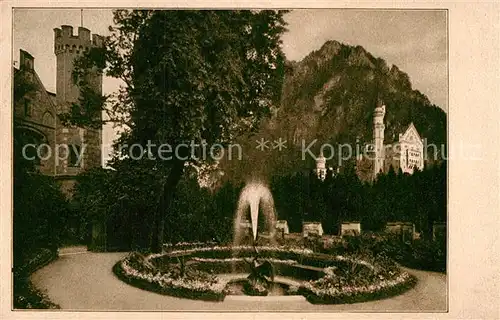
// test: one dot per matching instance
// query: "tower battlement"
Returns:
(66, 41)
(68, 47)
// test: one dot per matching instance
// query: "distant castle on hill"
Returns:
(406, 154)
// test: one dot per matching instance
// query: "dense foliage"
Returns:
(123, 206)
(40, 225)
(190, 77)
(423, 254)
(202, 214)
(419, 198)
(26, 296)
(42, 217)
(40, 213)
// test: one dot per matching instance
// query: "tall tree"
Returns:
(190, 77)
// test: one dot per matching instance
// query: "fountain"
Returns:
(255, 195)
(267, 271)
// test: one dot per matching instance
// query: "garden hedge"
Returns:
(26, 296)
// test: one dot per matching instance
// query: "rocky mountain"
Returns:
(330, 96)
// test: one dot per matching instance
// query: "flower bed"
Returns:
(187, 245)
(327, 278)
(357, 285)
(227, 252)
(200, 286)
(324, 292)
(230, 260)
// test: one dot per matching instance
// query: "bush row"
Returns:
(26, 296)
(417, 254)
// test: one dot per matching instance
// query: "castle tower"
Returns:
(378, 138)
(67, 47)
(85, 142)
(321, 167)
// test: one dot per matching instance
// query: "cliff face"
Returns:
(336, 88)
(330, 96)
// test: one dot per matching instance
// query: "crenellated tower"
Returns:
(86, 141)
(67, 47)
(378, 138)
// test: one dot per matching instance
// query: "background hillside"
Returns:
(330, 96)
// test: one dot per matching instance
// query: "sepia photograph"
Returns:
(244, 160)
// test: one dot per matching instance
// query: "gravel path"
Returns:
(85, 281)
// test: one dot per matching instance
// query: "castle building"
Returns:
(57, 150)
(407, 153)
(321, 167)
(411, 151)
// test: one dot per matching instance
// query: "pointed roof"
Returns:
(411, 134)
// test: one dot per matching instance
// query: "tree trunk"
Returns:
(166, 197)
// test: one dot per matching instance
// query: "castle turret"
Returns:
(378, 138)
(27, 62)
(67, 47)
(321, 167)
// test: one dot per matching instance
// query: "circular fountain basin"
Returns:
(278, 293)
(280, 287)
(236, 288)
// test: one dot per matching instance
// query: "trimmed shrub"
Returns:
(418, 254)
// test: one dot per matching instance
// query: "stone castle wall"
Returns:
(37, 112)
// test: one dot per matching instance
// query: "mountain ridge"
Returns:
(329, 96)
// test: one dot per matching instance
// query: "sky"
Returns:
(414, 40)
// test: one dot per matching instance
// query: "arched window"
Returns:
(48, 119)
(27, 142)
